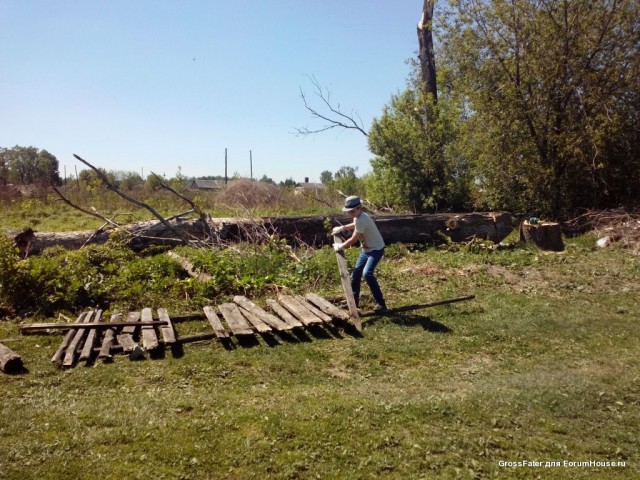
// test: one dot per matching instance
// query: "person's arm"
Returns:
(353, 239)
(343, 228)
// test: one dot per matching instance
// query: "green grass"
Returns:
(543, 365)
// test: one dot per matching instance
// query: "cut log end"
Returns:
(545, 235)
(10, 361)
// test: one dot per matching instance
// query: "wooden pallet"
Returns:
(92, 337)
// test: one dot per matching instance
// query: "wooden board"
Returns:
(318, 313)
(346, 286)
(87, 349)
(24, 328)
(265, 316)
(284, 314)
(78, 337)
(215, 322)
(168, 333)
(109, 337)
(149, 337)
(235, 320)
(254, 320)
(125, 338)
(59, 355)
(327, 307)
(298, 310)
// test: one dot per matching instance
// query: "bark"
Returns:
(546, 235)
(428, 228)
(425, 52)
(10, 361)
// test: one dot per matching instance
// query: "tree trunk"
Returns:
(428, 228)
(546, 235)
(426, 53)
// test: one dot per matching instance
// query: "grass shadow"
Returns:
(423, 321)
(177, 350)
(247, 341)
(427, 323)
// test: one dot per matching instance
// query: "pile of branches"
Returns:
(612, 226)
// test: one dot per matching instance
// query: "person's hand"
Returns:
(337, 230)
(338, 246)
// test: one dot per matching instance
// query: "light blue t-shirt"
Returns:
(372, 240)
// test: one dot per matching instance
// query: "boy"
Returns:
(366, 232)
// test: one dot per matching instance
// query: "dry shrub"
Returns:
(251, 194)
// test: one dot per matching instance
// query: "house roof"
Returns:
(205, 184)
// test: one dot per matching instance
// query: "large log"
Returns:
(427, 228)
(10, 361)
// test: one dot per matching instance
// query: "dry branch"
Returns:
(136, 202)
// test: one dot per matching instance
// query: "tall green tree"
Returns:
(26, 165)
(553, 93)
(418, 166)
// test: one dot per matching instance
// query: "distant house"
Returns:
(309, 188)
(205, 185)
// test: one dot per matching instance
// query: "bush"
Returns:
(112, 276)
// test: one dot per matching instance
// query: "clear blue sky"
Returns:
(144, 85)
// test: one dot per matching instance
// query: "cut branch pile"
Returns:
(611, 226)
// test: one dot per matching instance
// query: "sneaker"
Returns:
(379, 308)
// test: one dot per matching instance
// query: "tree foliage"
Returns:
(417, 164)
(27, 165)
(554, 99)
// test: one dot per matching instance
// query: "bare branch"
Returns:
(333, 117)
(111, 187)
(94, 213)
(195, 208)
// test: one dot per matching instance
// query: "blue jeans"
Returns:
(365, 266)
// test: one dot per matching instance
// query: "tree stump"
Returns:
(10, 361)
(545, 235)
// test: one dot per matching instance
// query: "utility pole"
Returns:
(225, 167)
(250, 164)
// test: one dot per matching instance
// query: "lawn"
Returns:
(536, 377)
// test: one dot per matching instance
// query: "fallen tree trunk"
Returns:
(313, 231)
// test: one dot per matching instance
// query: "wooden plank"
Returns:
(284, 314)
(254, 320)
(235, 320)
(149, 337)
(313, 309)
(299, 311)
(87, 349)
(265, 316)
(24, 328)
(78, 337)
(327, 307)
(125, 338)
(168, 333)
(215, 322)
(109, 337)
(59, 355)
(345, 279)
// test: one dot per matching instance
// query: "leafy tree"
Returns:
(289, 183)
(346, 180)
(25, 165)
(326, 177)
(418, 165)
(266, 179)
(128, 180)
(553, 94)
